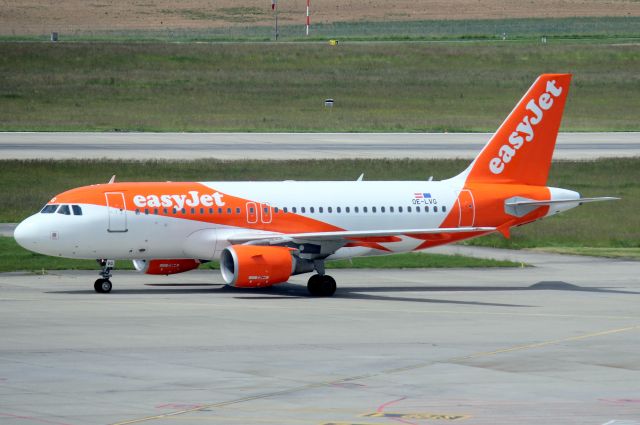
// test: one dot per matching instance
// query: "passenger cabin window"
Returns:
(444, 208)
(49, 209)
(435, 209)
(64, 209)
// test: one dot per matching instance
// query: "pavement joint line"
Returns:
(322, 308)
(379, 373)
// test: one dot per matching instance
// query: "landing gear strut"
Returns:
(103, 285)
(321, 285)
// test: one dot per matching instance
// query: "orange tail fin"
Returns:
(520, 151)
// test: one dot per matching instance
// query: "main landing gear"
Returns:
(321, 285)
(103, 285)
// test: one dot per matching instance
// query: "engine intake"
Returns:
(165, 267)
(250, 266)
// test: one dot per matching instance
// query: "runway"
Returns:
(554, 343)
(231, 146)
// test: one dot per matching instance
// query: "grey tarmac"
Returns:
(554, 343)
(233, 146)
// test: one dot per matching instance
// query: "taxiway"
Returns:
(232, 146)
(553, 343)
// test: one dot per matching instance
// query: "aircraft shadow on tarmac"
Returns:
(291, 291)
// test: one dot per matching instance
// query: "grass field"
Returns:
(15, 258)
(27, 185)
(281, 87)
(440, 29)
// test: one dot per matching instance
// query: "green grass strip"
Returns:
(382, 87)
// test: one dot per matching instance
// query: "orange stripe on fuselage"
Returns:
(489, 211)
(188, 195)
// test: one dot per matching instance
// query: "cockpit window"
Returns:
(76, 209)
(64, 209)
(49, 209)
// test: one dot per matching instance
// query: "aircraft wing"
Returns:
(343, 235)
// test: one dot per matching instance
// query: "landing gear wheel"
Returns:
(102, 286)
(321, 285)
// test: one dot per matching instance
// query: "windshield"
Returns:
(49, 209)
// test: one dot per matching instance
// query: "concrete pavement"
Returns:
(230, 146)
(555, 343)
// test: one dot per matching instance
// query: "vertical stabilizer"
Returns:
(520, 151)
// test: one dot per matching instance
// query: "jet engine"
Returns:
(165, 267)
(252, 266)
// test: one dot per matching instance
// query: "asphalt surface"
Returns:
(556, 343)
(231, 146)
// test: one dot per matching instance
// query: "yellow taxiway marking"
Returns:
(383, 372)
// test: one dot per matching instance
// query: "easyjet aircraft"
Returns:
(264, 232)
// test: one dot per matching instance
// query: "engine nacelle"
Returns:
(165, 267)
(253, 266)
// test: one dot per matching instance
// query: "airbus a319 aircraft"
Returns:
(264, 232)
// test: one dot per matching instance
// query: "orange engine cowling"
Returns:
(251, 266)
(165, 266)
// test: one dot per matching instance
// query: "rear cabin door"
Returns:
(117, 210)
(467, 209)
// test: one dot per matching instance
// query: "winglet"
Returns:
(113, 179)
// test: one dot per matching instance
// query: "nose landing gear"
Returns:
(103, 285)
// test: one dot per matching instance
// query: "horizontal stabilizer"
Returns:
(521, 203)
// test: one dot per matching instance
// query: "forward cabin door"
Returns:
(467, 208)
(117, 210)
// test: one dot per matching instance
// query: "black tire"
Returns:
(321, 286)
(313, 285)
(102, 286)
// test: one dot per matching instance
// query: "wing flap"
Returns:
(282, 238)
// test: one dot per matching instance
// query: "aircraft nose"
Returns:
(26, 234)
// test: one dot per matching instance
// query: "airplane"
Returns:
(264, 232)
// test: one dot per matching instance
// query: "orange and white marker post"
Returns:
(308, 19)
